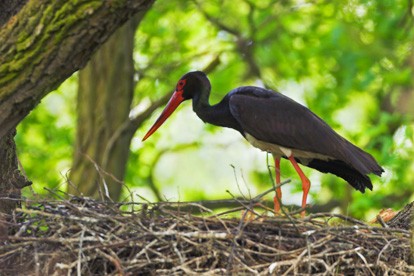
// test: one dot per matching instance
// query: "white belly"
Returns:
(279, 151)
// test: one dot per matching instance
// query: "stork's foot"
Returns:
(303, 214)
(276, 202)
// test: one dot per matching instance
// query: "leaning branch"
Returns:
(46, 42)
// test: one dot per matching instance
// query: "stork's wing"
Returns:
(274, 118)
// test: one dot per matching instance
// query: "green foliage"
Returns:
(45, 138)
(345, 60)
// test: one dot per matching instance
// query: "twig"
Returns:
(87, 236)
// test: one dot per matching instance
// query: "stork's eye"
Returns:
(181, 84)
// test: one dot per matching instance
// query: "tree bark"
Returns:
(8, 8)
(46, 42)
(106, 87)
(11, 180)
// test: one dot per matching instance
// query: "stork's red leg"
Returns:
(278, 197)
(305, 182)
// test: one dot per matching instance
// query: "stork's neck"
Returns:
(201, 105)
(218, 114)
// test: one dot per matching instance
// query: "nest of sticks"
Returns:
(85, 237)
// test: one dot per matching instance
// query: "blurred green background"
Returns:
(350, 62)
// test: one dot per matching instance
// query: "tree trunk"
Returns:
(106, 87)
(8, 159)
(11, 181)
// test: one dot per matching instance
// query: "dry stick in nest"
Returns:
(244, 221)
(203, 244)
(172, 242)
(307, 250)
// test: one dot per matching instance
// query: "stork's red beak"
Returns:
(172, 104)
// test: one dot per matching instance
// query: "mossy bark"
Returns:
(46, 42)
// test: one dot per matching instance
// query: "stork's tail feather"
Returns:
(341, 169)
(362, 161)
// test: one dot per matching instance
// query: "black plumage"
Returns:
(274, 118)
(277, 124)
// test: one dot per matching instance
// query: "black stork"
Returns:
(276, 124)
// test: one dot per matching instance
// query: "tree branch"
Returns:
(49, 40)
(244, 45)
(217, 22)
